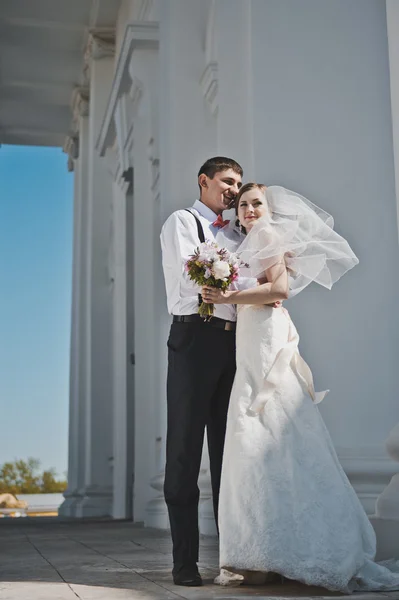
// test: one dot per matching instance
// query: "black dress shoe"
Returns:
(187, 575)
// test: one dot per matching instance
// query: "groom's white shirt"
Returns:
(179, 238)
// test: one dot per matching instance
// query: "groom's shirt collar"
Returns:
(205, 211)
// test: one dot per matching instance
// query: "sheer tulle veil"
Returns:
(298, 229)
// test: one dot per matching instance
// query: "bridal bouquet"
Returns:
(213, 266)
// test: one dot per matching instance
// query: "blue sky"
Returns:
(36, 213)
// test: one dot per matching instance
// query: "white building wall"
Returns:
(299, 93)
(321, 105)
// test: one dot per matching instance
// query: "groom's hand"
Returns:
(277, 304)
(212, 295)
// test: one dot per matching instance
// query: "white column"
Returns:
(120, 364)
(123, 392)
(235, 116)
(78, 345)
(71, 492)
(386, 518)
(145, 318)
(83, 310)
(187, 127)
(187, 134)
(127, 139)
(148, 434)
(98, 434)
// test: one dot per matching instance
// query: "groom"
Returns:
(201, 364)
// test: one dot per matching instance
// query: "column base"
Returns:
(386, 519)
(157, 514)
(207, 525)
(68, 507)
(387, 505)
(206, 522)
(387, 533)
(157, 511)
(94, 502)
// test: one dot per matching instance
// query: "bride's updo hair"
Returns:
(245, 188)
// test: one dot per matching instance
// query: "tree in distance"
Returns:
(25, 477)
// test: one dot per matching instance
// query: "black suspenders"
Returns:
(199, 226)
(201, 236)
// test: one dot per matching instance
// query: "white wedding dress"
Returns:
(286, 505)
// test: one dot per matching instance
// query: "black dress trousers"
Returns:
(201, 368)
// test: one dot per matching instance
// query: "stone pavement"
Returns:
(51, 559)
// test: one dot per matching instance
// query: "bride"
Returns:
(286, 505)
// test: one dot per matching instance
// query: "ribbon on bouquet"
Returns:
(288, 355)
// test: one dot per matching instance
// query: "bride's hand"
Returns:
(212, 295)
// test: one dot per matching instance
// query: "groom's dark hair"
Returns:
(220, 163)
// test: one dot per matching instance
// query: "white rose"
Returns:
(220, 269)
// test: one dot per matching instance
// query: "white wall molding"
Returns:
(120, 176)
(135, 92)
(209, 77)
(80, 103)
(125, 112)
(153, 156)
(137, 35)
(100, 44)
(209, 86)
(121, 127)
(111, 161)
(145, 10)
(71, 147)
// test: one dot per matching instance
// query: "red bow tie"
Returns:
(219, 222)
